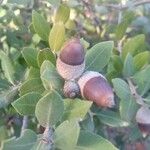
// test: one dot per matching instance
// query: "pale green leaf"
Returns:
(54, 2)
(25, 142)
(3, 133)
(122, 89)
(133, 45)
(127, 18)
(7, 67)
(41, 26)
(50, 77)
(142, 80)
(128, 109)
(7, 96)
(66, 135)
(32, 85)
(141, 59)
(91, 141)
(25, 105)
(57, 36)
(46, 54)
(62, 13)
(128, 68)
(75, 109)
(30, 56)
(98, 56)
(111, 118)
(33, 73)
(49, 109)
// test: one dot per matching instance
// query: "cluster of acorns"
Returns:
(91, 85)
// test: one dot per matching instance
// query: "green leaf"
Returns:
(122, 89)
(128, 109)
(54, 2)
(133, 45)
(141, 59)
(71, 25)
(50, 77)
(32, 85)
(7, 67)
(3, 133)
(91, 141)
(30, 56)
(26, 141)
(111, 118)
(25, 105)
(46, 54)
(24, 3)
(88, 123)
(98, 56)
(66, 135)
(135, 133)
(41, 26)
(122, 27)
(4, 84)
(128, 68)
(57, 36)
(49, 109)
(142, 80)
(41, 145)
(33, 73)
(7, 96)
(62, 13)
(31, 28)
(117, 63)
(75, 109)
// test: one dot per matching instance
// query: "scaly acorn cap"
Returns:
(143, 120)
(94, 87)
(71, 89)
(70, 62)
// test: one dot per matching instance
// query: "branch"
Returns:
(122, 7)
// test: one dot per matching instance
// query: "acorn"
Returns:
(94, 87)
(70, 62)
(71, 89)
(143, 120)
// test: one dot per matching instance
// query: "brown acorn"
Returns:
(70, 62)
(71, 89)
(143, 120)
(94, 87)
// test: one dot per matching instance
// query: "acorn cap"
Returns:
(143, 120)
(71, 89)
(143, 115)
(94, 87)
(72, 52)
(69, 72)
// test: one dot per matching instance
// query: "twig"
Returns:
(122, 7)
(138, 98)
(48, 137)
(92, 14)
(24, 124)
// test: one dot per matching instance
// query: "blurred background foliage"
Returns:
(126, 22)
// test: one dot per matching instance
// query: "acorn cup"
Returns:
(71, 89)
(143, 120)
(70, 62)
(94, 87)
